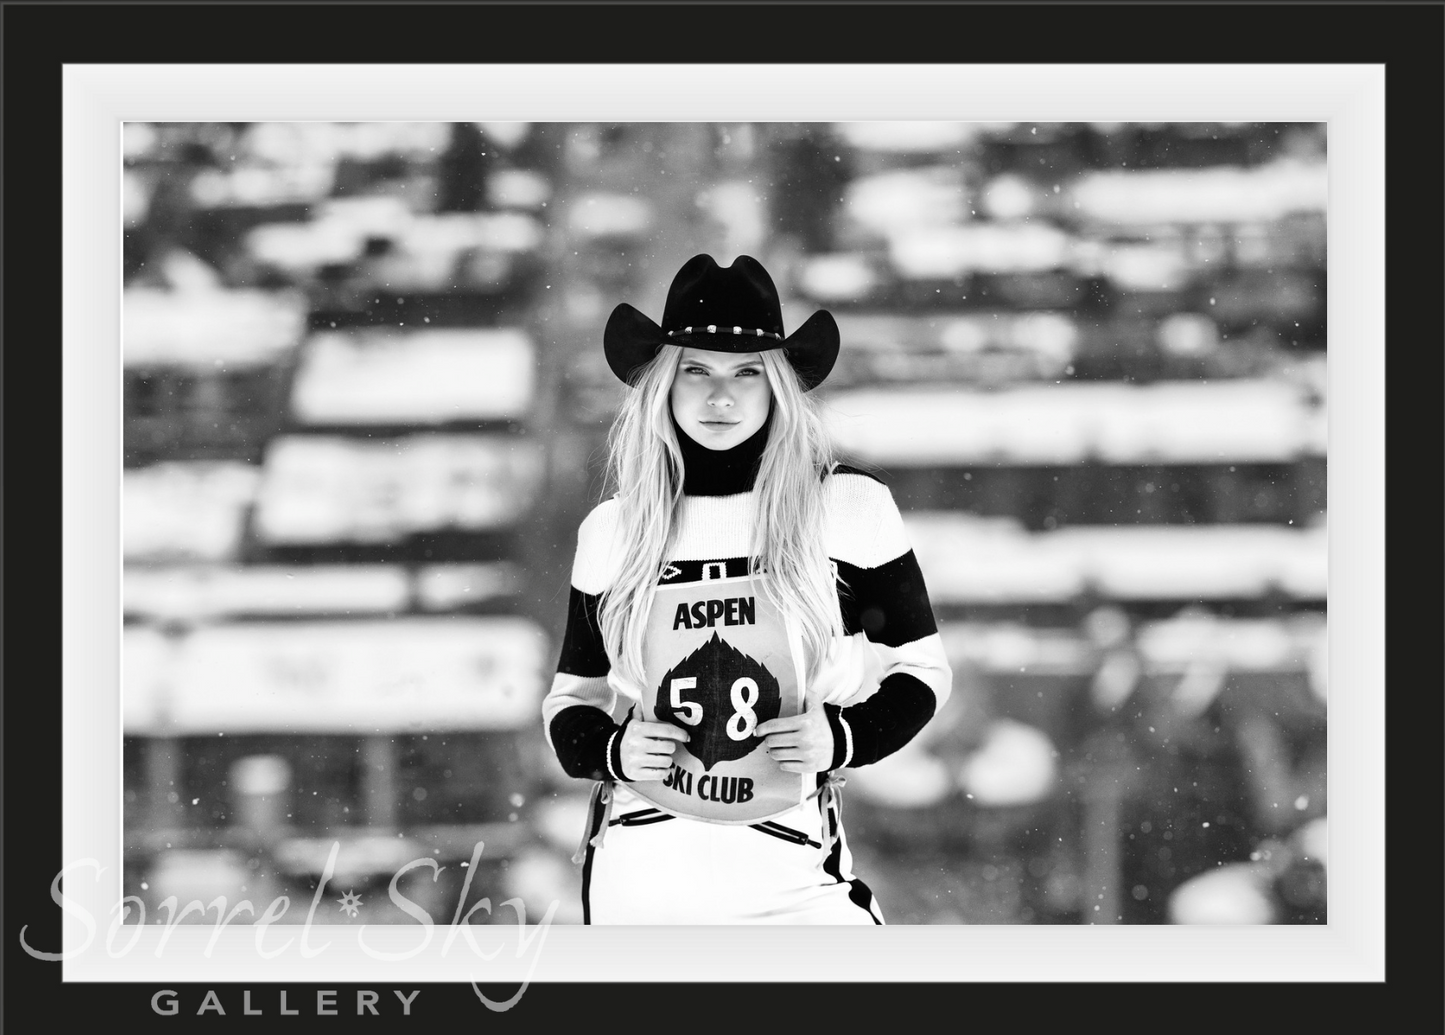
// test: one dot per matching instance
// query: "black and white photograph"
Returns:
(1068, 424)
(523, 521)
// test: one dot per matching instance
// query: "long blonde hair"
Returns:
(645, 472)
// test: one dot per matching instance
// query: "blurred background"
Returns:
(365, 405)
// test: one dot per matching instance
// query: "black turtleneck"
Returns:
(721, 472)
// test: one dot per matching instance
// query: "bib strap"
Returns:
(830, 798)
(599, 812)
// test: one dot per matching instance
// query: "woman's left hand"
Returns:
(801, 743)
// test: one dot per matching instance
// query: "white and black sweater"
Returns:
(891, 640)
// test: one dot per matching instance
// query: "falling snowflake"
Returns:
(349, 902)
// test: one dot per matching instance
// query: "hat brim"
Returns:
(813, 348)
(631, 339)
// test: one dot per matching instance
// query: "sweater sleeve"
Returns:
(892, 608)
(577, 713)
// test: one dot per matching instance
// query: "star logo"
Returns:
(672, 571)
(349, 902)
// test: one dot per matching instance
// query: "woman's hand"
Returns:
(646, 749)
(801, 743)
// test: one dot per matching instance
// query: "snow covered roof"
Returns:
(607, 214)
(395, 375)
(968, 564)
(341, 227)
(1180, 422)
(196, 592)
(887, 202)
(1211, 195)
(185, 510)
(344, 676)
(908, 137)
(204, 328)
(945, 252)
(290, 143)
(328, 488)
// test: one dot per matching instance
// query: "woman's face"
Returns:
(720, 399)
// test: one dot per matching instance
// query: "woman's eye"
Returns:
(748, 372)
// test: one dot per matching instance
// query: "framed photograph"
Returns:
(332, 402)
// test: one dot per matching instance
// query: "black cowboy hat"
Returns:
(721, 309)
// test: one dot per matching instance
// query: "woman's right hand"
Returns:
(646, 749)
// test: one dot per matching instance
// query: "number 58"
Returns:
(744, 694)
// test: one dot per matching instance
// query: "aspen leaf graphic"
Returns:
(719, 695)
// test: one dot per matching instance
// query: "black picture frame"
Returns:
(41, 39)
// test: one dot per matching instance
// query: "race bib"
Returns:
(720, 661)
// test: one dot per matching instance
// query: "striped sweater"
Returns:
(882, 681)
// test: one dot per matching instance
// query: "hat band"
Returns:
(713, 328)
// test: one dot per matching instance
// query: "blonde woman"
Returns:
(746, 618)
